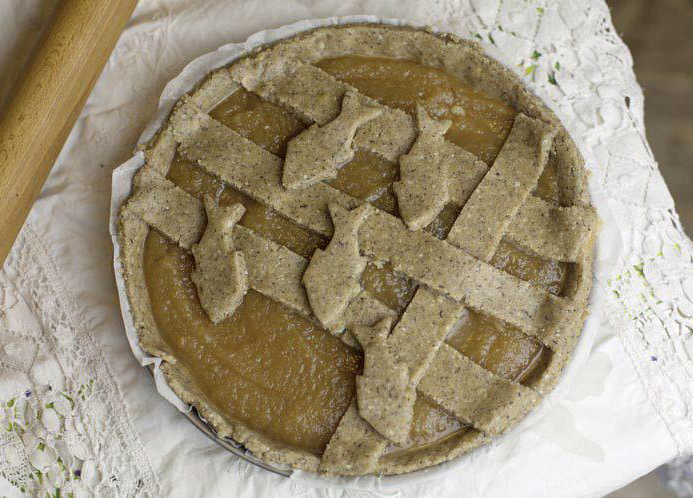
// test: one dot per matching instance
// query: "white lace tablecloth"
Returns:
(78, 415)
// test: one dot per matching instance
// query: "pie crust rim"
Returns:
(159, 152)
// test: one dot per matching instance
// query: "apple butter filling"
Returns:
(280, 373)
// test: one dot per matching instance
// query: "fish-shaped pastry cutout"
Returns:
(384, 393)
(422, 191)
(220, 273)
(332, 277)
(318, 152)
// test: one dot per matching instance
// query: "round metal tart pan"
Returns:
(228, 444)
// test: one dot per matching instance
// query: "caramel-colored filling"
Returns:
(279, 373)
(262, 122)
(479, 122)
(266, 367)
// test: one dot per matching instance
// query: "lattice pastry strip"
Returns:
(427, 319)
(493, 205)
(169, 209)
(539, 227)
(273, 270)
(316, 95)
(354, 448)
(551, 232)
(464, 174)
(384, 391)
(217, 87)
(451, 271)
(206, 160)
(251, 169)
(488, 402)
(220, 273)
(396, 362)
(422, 329)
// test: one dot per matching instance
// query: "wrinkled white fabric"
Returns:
(93, 423)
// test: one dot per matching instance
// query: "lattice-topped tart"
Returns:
(363, 249)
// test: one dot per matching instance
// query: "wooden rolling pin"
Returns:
(48, 99)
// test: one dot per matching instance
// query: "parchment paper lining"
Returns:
(607, 248)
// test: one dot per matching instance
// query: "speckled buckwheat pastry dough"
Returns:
(220, 273)
(318, 152)
(384, 394)
(408, 354)
(332, 277)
